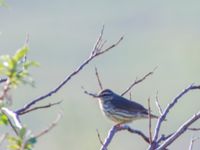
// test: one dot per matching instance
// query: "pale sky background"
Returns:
(62, 33)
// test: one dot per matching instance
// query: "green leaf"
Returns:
(15, 69)
(1, 67)
(15, 143)
(3, 119)
(21, 53)
(32, 140)
(22, 133)
(28, 64)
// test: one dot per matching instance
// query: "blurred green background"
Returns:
(62, 33)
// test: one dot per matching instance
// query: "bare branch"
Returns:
(138, 81)
(90, 94)
(95, 52)
(99, 41)
(3, 80)
(158, 104)
(138, 132)
(40, 107)
(13, 127)
(108, 48)
(149, 116)
(180, 131)
(51, 126)
(163, 137)
(192, 142)
(117, 128)
(109, 138)
(194, 129)
(98, 79)
(166, 111)
(12, 116)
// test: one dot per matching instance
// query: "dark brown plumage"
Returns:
(120, 109)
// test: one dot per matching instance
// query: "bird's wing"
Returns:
(122, 103)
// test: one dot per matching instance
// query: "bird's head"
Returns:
(106, 94)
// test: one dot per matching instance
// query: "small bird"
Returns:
(119, 109)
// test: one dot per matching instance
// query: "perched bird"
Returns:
(119, 109)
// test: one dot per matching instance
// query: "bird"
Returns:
(119, 109)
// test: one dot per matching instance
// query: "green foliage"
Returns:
(3, 3)
(20, 142)
(16, 67)
(3, 119)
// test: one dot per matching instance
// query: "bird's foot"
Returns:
(118, 126)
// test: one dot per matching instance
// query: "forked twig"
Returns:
(164, 114)
(192, 142)
(138, 81)
(116, 128)
(95, 52)
(40, 107)
(183, 128)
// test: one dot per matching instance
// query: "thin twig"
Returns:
(40, 107)
(194, 129)
(3, 80)
(98, 79)
(99, 40)
(12, 126)
(183, 128)
(149, 116)
(95, 52)
(137, 81)
(138, 132)
(192, 142)
(51, 126)
(158, 104)
(166, 111)
(130, 96)
(99, 137)
(163, 137)
(90, 94)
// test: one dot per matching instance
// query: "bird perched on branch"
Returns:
(119, 109)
